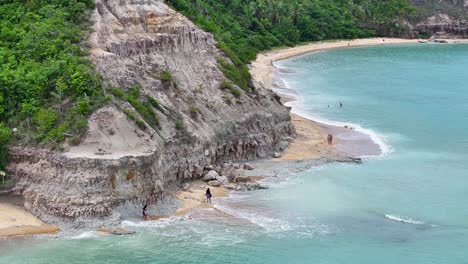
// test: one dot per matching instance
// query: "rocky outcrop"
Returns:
(442, 26)
(439, 18)
(118, 162)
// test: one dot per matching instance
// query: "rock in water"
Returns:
(211, 175)
(277, 155)
(247, 166)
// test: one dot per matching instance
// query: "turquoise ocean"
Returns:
(408, 205)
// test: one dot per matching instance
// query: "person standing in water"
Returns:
(145, 214)
(208, 195)
(341, 104)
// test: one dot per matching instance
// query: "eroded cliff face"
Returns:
(440, 18)
(133, 42)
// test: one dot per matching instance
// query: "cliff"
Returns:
(441, 18)
(119, 162)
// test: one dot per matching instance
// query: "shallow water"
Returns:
(408, 206)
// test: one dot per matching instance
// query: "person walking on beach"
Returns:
(145, 214)
(330, 139)
(208, 195)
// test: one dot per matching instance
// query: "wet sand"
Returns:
(15, 221)
(311, 140)
(192, 199)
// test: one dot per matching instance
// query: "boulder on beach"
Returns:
(283, 145)
(242, 179)
(250, 186)
(248, 166)
(231, 186)
(211, 175)
(222, 179)
(277, 155)
(214, 183)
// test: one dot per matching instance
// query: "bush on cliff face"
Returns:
(47, 86)
(5, 136)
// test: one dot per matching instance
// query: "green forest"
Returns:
(48, 86)
(245, 27)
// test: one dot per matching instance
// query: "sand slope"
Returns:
(15, 221)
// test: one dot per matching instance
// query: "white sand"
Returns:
(311, 136)
(15, 221)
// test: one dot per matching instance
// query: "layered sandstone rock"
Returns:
(132, 43)
(440, 18)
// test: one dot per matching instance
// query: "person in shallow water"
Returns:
(145, 214)
(208, 195)
(341, 104)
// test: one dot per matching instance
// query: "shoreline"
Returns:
(307, 144)
(16, 221)
(310, 143)
(261, 69)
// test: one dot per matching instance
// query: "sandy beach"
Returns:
(311, 137)
(15, 221)
(262, 67)
(310, 142)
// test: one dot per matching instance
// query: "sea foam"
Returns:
(403, 219)
(377, 138)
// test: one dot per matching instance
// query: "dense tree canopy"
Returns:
(249, 26)
(245, 27)
(47, 87)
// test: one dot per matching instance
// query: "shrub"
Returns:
(179, 124)
(118, 93)
(194, 110)
(166, 76)
(134, 91)
(45, 120)
(83, 107)
(155, 103)
(5, 136)
(141, 124)
(130, 114)
(239, 75)
(226, 85)
(74, 141)
(236, 92)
